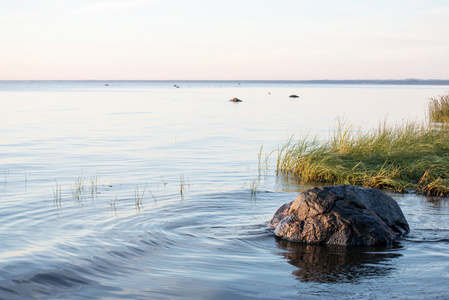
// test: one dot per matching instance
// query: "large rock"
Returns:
(340, 215)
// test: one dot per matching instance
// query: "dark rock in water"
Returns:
(294, 96)
(235, 100)
(341, 215)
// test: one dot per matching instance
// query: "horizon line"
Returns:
(237, 80)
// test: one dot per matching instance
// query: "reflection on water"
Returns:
(438, 202)
(337, 264)
(291, 183)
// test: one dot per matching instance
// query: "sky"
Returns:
(223, 39)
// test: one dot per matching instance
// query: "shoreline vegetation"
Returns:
(439, 109)
(402, 157)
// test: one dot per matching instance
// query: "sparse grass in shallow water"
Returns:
(57, 194)
(264, 163)
(139, 197)
(154, 197)
(408, 156)
(78, 188)
(183, 185)
(439, 109)
(253, 184)
(94, 185)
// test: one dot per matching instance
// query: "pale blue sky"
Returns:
(224, 39)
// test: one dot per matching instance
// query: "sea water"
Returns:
(155, 189)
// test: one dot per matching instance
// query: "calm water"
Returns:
(141, 190)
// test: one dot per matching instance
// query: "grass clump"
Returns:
(409, 156)
(438, 109)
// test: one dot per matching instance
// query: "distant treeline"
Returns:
(322, 81)
(386, 81)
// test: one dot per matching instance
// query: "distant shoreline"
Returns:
(323, 81)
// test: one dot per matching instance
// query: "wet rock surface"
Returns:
(340, 215)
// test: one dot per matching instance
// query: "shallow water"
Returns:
(142, 190)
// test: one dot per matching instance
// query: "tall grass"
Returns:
(438, 109)
(401, 157)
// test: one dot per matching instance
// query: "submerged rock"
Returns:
(340, 215)
(235, 100)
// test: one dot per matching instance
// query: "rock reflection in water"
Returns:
(337, 264)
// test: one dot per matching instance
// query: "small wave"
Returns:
(428, 236)
(44, 284)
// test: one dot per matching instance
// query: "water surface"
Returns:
(143, 190)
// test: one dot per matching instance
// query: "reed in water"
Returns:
(409, 156)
